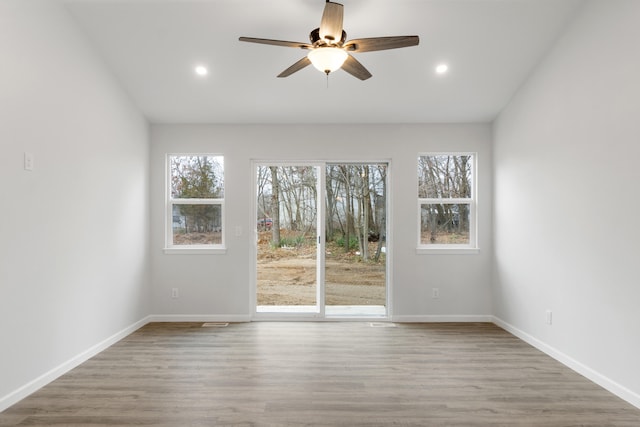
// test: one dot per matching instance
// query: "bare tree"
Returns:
(381, 207)
(345, 171)
(445, 177)
(275, 203)
(264, 202)
(364, 207)
(330, 203)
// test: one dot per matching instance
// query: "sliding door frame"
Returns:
(321, 165)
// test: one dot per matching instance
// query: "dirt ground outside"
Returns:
(287, 275)
(208, 238)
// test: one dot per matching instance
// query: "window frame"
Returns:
(172, 248)
(453, 248)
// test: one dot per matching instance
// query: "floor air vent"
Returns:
(215, 324)
(382, 325)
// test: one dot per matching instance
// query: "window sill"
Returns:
(195, 251)
(443, 250)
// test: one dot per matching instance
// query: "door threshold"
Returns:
(355, 311)
(331, 311)
(282, 309)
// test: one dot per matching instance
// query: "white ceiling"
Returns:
(152, 47)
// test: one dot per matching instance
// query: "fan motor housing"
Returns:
(314, 37)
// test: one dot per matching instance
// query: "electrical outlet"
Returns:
(174, 293)
(549, 317)
(435, 293)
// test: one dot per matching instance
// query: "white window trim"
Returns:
(170, 248)
(194, 250)
(452, 249)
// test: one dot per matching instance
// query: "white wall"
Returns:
(566, 182)
(74, 231)
(219, 285)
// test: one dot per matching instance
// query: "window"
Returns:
(446, 201)
(195, 201)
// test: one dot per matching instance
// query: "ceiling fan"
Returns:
(329, 50)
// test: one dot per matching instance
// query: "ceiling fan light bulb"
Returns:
(327, 59)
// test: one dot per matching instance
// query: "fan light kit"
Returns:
(327, 59)
(329, 50)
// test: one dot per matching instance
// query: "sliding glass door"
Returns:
(355, 217)
(321, 239)
(287, 238)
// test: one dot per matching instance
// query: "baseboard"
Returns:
(231, 318)
(462, 318)
(44, 379)
(603, 381)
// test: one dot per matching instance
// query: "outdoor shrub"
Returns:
(353, 242)
(291, 241)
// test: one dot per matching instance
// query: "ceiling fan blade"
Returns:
(355, 68)
(381, 43)
(295, 67)
(298, 45)
(331, 24)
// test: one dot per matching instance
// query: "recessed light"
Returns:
(442, 68)
(201, 70)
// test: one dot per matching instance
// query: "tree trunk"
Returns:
(366, 206)
(358, 222)
(275, 205)
(348, 207)
(382, 220)
(330, 204)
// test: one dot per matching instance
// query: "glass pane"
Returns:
(444, 176)
(287, 244)
(197, 177)
(355, 252)
(197, 224)
(444, 224)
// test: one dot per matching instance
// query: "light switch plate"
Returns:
(28, 161)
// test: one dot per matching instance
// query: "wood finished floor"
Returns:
(322, 374)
